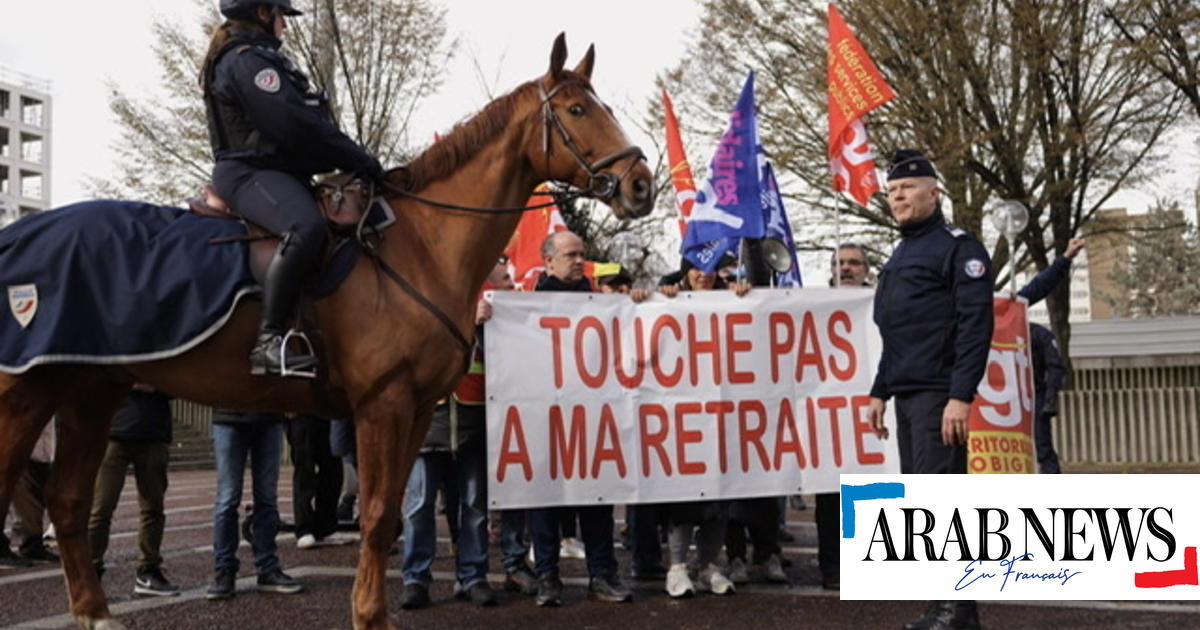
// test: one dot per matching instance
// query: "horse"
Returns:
(390, 352)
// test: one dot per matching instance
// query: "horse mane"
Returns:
(465, 139)
(468, 137)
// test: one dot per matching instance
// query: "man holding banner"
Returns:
(933, 307)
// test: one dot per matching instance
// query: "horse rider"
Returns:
(270, 133)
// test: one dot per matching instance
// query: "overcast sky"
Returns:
(79, 44)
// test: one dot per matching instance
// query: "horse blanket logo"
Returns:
(23, 302)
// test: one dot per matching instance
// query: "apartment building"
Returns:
(24, 145)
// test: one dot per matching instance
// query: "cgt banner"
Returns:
(1001, 420)
(595, 399)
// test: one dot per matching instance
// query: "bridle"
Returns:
(600, 185)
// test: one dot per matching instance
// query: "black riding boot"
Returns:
(281, 287)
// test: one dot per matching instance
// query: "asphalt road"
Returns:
(35, 597)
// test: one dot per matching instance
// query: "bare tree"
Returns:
(1038, 101)
(378, 60)
(1166, 33)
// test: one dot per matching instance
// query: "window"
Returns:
(31, 147)
(31, 185)
(32, 111)
(4, 103)
(3, 143)
(3, 180)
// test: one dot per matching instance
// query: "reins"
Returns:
(599, 185)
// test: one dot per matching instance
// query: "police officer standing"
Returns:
(933, 307)
(270, 133)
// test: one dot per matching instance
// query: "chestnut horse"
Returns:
(391, 356)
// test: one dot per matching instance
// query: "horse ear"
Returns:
(585, 65)
(558, 55)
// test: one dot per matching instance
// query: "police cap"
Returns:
(910, 163)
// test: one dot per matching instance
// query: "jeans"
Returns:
(596, 527)
(149, 461)
(232, 442)
(513, 545)
(420, 514)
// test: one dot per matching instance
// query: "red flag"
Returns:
(855, 88)
(524, 249)
(681, 171)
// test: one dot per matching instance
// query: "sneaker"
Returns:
(949, 615)
(572, 548)
(307, 541)
(38, 553)
(712, 580)
(521, 581)
(223, 585)
(608, 588)
(679, 584)
(549, 591)
(479, 593)
(737, 571)
(150, 582)
(415, 596)
(278, 582)
(797, 502)
(772, 570)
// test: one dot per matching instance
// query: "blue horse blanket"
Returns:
(110, 282)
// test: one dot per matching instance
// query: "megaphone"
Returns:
(777, 255)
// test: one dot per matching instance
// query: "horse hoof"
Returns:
(107, 623)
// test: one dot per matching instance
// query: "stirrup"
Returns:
(283, 355)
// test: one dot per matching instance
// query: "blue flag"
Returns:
(728, 205)
(779, 227)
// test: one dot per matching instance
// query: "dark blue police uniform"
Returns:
(270, 133)
(933, 308)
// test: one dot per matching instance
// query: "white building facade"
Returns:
(25, 108)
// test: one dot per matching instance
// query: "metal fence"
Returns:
(1134, 425)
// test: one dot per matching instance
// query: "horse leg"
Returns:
(83, 428)
(383, 465)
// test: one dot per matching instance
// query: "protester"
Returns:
(455, 449)
(236, 436)
(703, 520)
(29, 505)
(849, 269)
(270, 133)
(618, 282)
(1049, 369)
(563, 254)
(934, 312)
(139, 436)
(316, 482)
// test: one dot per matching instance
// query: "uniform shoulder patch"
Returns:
(974, 268)
(956, 231)
(267, 80)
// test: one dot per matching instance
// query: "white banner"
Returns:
(1020, 537)
(595, 399)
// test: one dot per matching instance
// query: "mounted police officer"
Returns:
(270, 133)
(934, 312)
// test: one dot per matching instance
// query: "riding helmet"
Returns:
(240, 9)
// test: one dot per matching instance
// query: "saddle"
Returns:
(343, 200)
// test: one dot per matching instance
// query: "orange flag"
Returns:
(855, 88)
(681, 171)
(524, 249)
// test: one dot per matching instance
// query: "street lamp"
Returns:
(1010, 217)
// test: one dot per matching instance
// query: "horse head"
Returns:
(581, 143)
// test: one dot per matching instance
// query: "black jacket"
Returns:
(1043, 284)
(145, 417)
(933, 307)
(1049, 371)
(262, 111)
